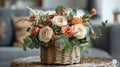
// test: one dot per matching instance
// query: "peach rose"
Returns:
(45, 34)
(67, 30)
(76, 20)
(79, 31)
(59, 21)
(35, 31)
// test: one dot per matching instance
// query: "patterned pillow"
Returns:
(20, 30)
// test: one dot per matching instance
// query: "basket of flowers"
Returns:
(60, 35)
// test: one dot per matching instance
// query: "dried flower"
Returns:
(47, 23)
(32, 18)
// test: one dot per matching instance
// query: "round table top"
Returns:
(34, 61)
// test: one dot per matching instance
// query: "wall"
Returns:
(108, 7)
(18, 4)
(68, 3)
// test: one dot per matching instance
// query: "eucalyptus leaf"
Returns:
(24, 47)
(57, 9)
(68, 47)
(104, 23)
(84, 41)
(73, 43)
(28, 29)
(60, 42)
(86, 49)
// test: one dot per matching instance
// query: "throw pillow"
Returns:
(20, 27)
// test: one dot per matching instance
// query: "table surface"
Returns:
(85, 61)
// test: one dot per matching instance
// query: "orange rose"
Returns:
(76, 20)
(35, 31)
(93, 11)
(67, 30)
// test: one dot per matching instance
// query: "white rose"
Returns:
(79, 31)
(80, 13)
(59, 21)
(45, 34)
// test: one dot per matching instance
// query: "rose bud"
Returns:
(35, 31)
(93, 11)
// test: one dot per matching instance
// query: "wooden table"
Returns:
(85, 62)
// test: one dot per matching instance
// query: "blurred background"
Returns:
(105, 8)
(12, 33)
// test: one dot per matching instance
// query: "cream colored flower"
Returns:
(59, 21)
(45, 34)
(80, 13)
(79, 31)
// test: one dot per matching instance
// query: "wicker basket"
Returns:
(52, 56)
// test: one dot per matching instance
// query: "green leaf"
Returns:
(24, 47)
(74, 43)
(64, 42)
(28, 29)
(68, 47)
(70, 14)
(57, 9)
(84, 41)
(31, 46)
(54, 27)
(104, 23)
(63, 36)
(60, 42)
(86, 49)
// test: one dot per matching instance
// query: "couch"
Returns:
(106, 46)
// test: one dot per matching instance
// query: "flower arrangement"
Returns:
(65, 27)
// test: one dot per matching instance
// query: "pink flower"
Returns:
(67, 30)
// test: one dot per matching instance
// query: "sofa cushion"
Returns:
(103, 41)
(115, 41)
(6, 31)
(95, 52)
